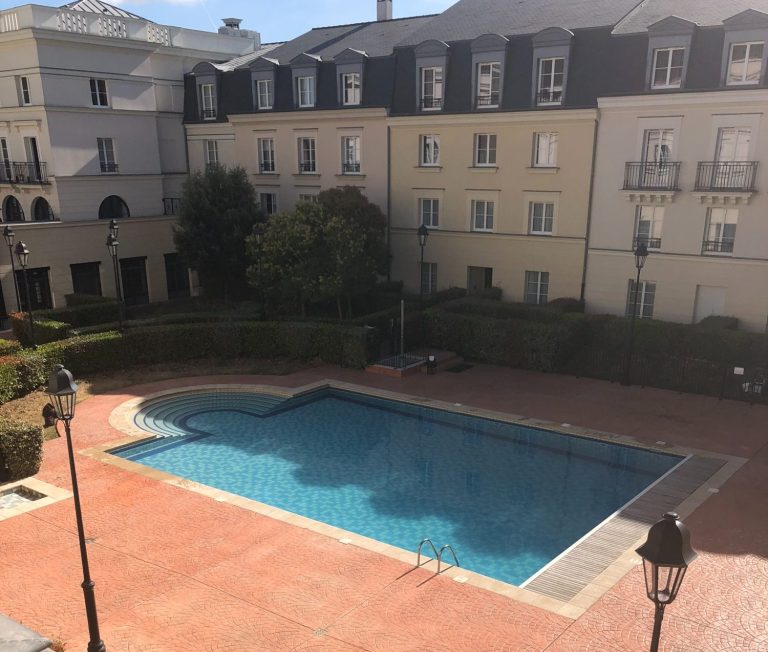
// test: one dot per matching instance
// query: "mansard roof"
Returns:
(99, 7)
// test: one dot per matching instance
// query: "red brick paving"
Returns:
(175, 570)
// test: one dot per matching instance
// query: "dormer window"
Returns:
(488, 84)
(350, 89)
(745, 64)
(668, 67)
(305, 91)
(431, 88)
(264, 94)
(207, 102)
(551, 75)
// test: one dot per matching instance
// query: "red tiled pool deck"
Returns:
(178, 571)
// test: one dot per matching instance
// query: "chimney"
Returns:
(232, 28)
(232, 23)
(383, 10)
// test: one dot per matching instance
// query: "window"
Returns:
(545, 150)
(99, 92)
(430, 150)
(350, 88)
(745, 65)
(550, 88)
(113, 208)
(536, 287)
(733, 144)
(431, 88)
(429, 212)
(640, 303)
(350, 155)
(308, 198)
(482, 215)
(305, 91)
(263, 94)
(171, 205)
(39, 288)
(211, 152)
(268, 202)
(12, 210)
(208, 101)
(307, 163)
(542, 217)
(107, 160)
(42, 211)
(721, 230)
(6, 170)
(668, 67)
(86, 278)
(485, 149)
(176, 277)
(488, 84)
(429, 278)
(26, 96)
(650, 220)
(133, 275)
(657, 147)
(266, 155)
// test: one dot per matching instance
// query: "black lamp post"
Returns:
(641, 254)
(258, 235)
(62, 391)
(10, 236)
(22, 254)
(112, 245)
(423, 234)
(666, 554)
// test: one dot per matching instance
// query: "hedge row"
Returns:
(21, 449)
(348, 346)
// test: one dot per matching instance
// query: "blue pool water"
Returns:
(507, 498)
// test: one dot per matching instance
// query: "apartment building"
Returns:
(91, 107)
(682, 167)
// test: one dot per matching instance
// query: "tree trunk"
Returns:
(338, 307)
(349, 306)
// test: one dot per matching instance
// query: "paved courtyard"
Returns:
(178, 571)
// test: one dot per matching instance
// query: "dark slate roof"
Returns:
(376, 39)
(99, 7)
(265, 49)
(700, 12)
(468, 19)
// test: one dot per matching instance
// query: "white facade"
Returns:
(91, 106)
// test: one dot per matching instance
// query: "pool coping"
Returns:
(621, 532)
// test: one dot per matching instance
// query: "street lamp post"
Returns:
(112, 245)
(258, 235)
(666, 554)
(62, 391)
(22, 254)
(641, 254)
(423, 234)
(10, 236)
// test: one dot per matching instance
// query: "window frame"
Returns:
(208, 101)
(494, 65)
(486, 215)
(669, 67)
(642, 302)
(551, 149)
(553, 88)
(653, 240)
(541, 280)
(26, 92)
(269, 94)
(435, 102)
(106, 165)
(743, 81)
(489, 150)
(309, 91)
(433, 212)
(720, 239)
(433, 160)
(211, 146)
(355, 91)
(99, 92)
(351, 166)
(267, 164)
(428, 273)
(532, 217)
(273, 201)
(312, 151)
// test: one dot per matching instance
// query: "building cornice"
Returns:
(336, 115)
(497, 118)
(667, 101)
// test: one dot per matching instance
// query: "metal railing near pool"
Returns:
(438, 555)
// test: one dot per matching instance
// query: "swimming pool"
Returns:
(508, 498)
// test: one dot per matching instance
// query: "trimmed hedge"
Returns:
(21, 448)
(499, 310)
(84, 315)
(716, 323)
(75, 300)
(9, 346)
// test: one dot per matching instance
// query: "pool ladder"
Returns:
(438, 555)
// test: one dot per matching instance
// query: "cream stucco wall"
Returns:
(678, 267)
(512, 184)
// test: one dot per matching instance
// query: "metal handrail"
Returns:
(418, 552)
(734, 176)
(440, 557)
(651, 175)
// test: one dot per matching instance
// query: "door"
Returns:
(133, 273)
(731, 167)
(657, 153)
(710, 300)
(176, 277)
(39, 288)
(34, 170)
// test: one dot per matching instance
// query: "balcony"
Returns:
(171, 205)
(488, 101)
(549, 96)
(350, 168)
(431, 103)
(208, 114)
(650, 243)
(109, 168)
(23, 173)
(726, 176)
(717, 246)
(307, 168)
(652, 176)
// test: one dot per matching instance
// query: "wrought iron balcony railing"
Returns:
(650, 243)
(734, 176)
(491, 99)
(717, 246)
(652, 176)
(350, 168)
(23, 173)
(429, 102)
(307, 167)
(207, 114)
(550, 96)
(109, 168)
(171, 205)
(267, 166)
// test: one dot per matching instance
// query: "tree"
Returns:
(218, 211)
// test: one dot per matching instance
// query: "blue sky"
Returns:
(276, 20)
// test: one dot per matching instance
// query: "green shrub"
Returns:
(717, 323)
(9, 346)
(75, 300)
(21, 448)
(84, 315)
(499, 310)
(46, 330)
(565, 305)
(493, 293)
